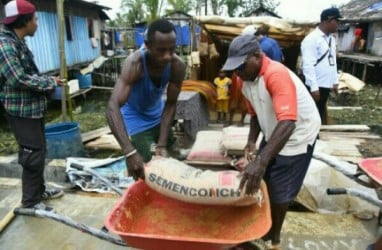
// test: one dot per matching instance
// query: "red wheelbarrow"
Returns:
(145, 219)
(148, 220)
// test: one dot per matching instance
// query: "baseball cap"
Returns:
(15, 8)
(239, 49)
(331, 13)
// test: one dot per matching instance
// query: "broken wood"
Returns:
(94, 134)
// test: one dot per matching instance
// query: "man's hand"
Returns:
(59, 81)
(135, 166)
(161, 151)
(316, 95)
(252, 176)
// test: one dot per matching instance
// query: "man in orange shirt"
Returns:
(283, 110)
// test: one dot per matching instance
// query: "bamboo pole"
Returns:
(8, 217)
(65, 96)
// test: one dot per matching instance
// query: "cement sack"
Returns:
(180, 181)
(207, 148)
(234, 140)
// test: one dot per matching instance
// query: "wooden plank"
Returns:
(91, 135)
(345, 127)
(356, 135)
(107, 141)
(344, 108)
(9, 182)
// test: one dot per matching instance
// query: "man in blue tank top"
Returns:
(136, 112)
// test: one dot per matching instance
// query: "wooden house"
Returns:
(366, 15)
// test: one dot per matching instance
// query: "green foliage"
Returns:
(249, 6)
(180, 5)
(135, 11)
(216, 6)
(233, 7)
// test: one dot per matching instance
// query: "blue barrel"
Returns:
(64, 140)
(84, 81)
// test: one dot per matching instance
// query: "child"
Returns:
(222, 89)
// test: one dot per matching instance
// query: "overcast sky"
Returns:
(299, 10)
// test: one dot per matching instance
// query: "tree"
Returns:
(180, 5)
(233, 7)
(153, 9)
(241, 7)
(135, 12)
(217, 6)
(249, 6)
(121, 20)
(142, 10)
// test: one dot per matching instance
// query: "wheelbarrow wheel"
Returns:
(252, 245)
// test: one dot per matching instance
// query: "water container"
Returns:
(85, 81)
(64, 140)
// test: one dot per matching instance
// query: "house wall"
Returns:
(82, 49)
(44, 44)
(344, 41)
(376, 48)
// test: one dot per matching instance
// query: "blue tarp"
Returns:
(139, 36)
(182, 35)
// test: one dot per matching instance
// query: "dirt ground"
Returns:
(368, 102)
(371, 148)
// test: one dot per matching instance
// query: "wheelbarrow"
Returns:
(145, 219)
(372, 169)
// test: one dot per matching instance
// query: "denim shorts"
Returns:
(285, 174)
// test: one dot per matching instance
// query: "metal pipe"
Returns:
(69, 222)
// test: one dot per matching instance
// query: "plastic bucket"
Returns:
(85, 81)
(63, 140)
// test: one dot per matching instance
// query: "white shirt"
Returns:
(313, 47)
(271, 98)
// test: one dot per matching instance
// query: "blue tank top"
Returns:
(144, 107)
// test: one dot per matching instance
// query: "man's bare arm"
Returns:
(130, 72)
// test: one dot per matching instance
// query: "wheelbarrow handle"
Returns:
(76, 166)
(336, 191)
(24, 211)
(71, 223)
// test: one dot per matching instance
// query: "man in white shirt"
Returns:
(319, 66)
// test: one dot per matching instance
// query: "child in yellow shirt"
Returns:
(222, 83)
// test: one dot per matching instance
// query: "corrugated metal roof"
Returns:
(44, 44)
(362, 10)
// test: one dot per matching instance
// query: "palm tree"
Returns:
(153, 9)
(216, 6)
(142, 10)
(249, 6)
(232, 7)
(180, 5)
